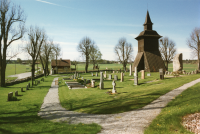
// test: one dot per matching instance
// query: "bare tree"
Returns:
(85, 48)
(124, 51)
(95, 54)
(45, 53)
(194, 44)
(12, 23)
(57, 50)
(167, 50)
(37, 38)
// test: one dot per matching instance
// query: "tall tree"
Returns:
(37, 38)
(124, 51)
(95, 54)
(12, 21)
(167, 50)
(194, 44)
(84, 47)
(44, 55)
(57, 50)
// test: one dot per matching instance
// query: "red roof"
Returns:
(61, 63)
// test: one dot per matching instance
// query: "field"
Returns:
(129, 97)
(17, 117)
(21, 116)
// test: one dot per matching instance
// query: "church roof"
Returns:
(148, 19)
(148, 33)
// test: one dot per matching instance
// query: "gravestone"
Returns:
(122, 76)
(130, 70)
(22, 89)
(10, 95)
(105, 76)
(177, 63)
(82, 78)
(96, 73)
(105, 72)
(110, 76)
(113, 72)
(29, 84)
(88, 81)
(117, 72)
(92, 83)
(84, 81)
(16, 93)
(27, 87)
(161, 74)
(142, 74)
(136, 77)
(92, 74)
(101, 84)
(168, 73)
(79, 75)
(148, 74)
(74, 76)
(115, 77)
(114, 87)
(192, 72)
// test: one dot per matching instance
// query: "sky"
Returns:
(67, 22)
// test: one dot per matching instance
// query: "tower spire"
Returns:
(148, 24)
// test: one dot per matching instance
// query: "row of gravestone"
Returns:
(10, 95)
(183, 72)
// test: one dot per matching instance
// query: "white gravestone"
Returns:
(130, 70)
(101, 84)
(114, 89)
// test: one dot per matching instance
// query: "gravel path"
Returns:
(132, 122)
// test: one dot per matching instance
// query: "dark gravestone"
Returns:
(10, 95)
(16, 93)
(22, 89)
(161, 74)
(27, 87)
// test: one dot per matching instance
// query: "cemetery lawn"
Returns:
(170, 119)
(129, 97)
(17, 117)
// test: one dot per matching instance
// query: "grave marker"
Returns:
(142, 74)
(161, 74)
(130, 70)
(96, 73)
(10, 95)
(110, 76)
(122, 76)
(105, 76)
(114, 89)
(92, 83)
(115, 77)
(136, 77)
(16, 93)
(22, 89)
(27, 87)
(101, 84)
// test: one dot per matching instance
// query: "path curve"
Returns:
(131, 122)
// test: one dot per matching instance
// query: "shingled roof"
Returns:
(61, 63)
(148, 19)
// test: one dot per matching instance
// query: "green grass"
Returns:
(96, 101)
(17, 117)
(186, 67)
(170, 118)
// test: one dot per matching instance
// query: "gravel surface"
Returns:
(132, 122)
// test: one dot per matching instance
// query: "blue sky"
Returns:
(106, 21)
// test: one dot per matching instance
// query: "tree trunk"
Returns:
(86, 66)
(56, 65)
(166, 65)
(3, 68)
(33, 72)
(198, 56)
